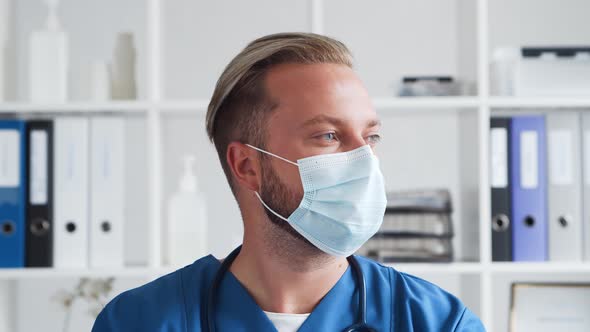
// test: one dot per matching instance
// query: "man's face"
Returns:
(322, 108)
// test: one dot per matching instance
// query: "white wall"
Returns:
(136, 247)
(539, 23)
(391, 39)
(201, 37)
(388, 38)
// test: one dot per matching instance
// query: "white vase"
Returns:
(122, 68)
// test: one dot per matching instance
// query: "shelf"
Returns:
(539, 102)
(411, 103)
(42, 273)
(541, 267)
(75, 107)
(182, 106)
(496, 267)
(438, 268)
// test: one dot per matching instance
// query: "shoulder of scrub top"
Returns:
(417, 304)
(160, 305)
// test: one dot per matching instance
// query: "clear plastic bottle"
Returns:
(187, 220)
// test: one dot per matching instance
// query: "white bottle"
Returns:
(48, 60)
(100, 90)
(187, 220)
(503, 70)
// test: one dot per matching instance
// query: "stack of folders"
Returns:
(62, 192)
(540, 187)
(417, 227)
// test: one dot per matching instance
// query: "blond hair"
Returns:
(240, 104)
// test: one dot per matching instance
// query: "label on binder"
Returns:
(9, 158)
(560, 157)
(529, 160)
(38, 176)
(499, 160)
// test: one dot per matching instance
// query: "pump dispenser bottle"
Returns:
(187, 219)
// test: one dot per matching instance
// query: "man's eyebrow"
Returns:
(374, 123)
(322, 118)
(336, 121)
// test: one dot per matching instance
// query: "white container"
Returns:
(100, 89)
(187, 220)
(48, 61)
(502, 70)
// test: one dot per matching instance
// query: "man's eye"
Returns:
(328, 137)
(374, 139)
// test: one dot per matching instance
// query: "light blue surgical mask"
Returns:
(343, 199)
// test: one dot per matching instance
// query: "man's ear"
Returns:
(244, 165)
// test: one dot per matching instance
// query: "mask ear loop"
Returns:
(269, 209)
(257, 194)
(272, 154)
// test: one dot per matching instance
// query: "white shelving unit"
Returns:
(157, 107)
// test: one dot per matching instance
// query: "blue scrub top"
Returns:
(176, 302)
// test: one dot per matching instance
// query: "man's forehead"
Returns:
(302, 80)
(307, 95)
(312, 84)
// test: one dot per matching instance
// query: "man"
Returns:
(295, 132)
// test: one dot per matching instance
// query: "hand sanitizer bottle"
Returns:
(187, 220)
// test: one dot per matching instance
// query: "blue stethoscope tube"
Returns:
(360, 325)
